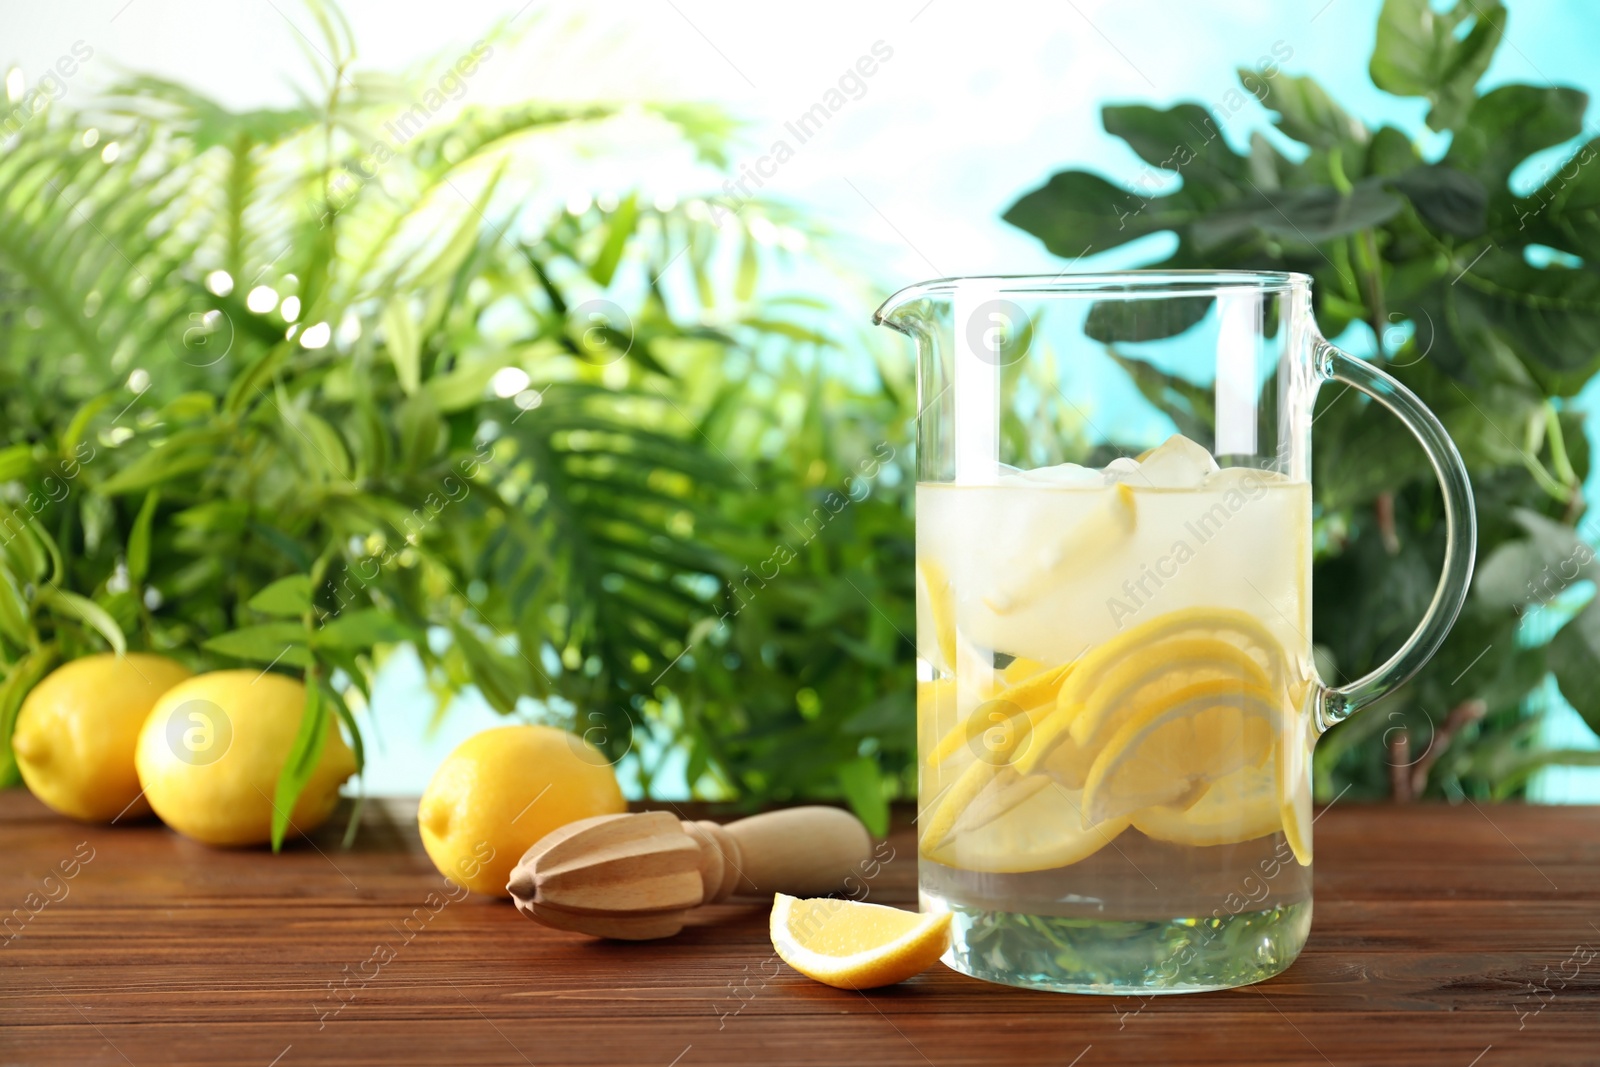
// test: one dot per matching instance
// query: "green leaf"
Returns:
(74, 432)
(301, 764)
(1390, 153)
(421, 431)
(1114, 321)
(87, 612)
(184, 453)
(1184, 138)
(1548, 318)
(749, 265)
(1191, 407)
(1304, 217)
(321, 445)
(1575, 661)
(1420, 52)
(791, 330)
(286, 598)
(467, 384)
(357, 747)
(19, 681)
(23, 548)
(1076, 213)
(1511, 123)
(619, 227)
(1305, 111)
(1549, 561)
(138, 550)
(58, 566)
(404, 345)
(270, 642)
(16, 462)
(1447, 199)
(361, 630)
(15, 612)
(499, 685)
(862, 785)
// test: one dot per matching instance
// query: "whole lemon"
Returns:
(77, 729)
(211, 751)
(502, 790)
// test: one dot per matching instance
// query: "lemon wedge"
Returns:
(1170, 751)
(849, 944)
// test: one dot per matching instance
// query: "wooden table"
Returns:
(1463, 937)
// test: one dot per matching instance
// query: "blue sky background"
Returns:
(977, 104)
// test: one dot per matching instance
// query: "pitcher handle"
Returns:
(1461, 534)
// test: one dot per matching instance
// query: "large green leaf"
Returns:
(1114, 321)
(1076, 213)
(1575, 660)
(1184, 138)
(1306, 216)
(1507, 125)
(1452, 201)
(1306, 112)
(1422, 52)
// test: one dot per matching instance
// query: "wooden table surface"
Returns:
(1465, 937)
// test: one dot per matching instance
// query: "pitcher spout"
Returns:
(909, 311)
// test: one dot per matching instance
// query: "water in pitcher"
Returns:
(1114, 784)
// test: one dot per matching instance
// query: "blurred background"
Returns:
(519, 335)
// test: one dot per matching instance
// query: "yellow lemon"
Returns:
(995, 723)
(1000, 822)
(77, 729)
(1169, 752)
(936, 615)
(1239, 807)
(853, 945)
(212, 749)
(501, 791)
(1179, 647)
(1294, 786)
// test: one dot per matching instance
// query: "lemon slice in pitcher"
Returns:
(1014, 824)
(1239, 807)
(1163, 655)
(936, 615)
(1294, 787)
(1171, 751)
(1003, 718)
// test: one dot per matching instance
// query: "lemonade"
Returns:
(1114, 667)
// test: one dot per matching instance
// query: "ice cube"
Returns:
(1178, 464)
(1121, 469)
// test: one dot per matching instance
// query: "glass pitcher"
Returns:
(1116, 700)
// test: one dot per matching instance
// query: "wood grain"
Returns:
(1449, 936)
